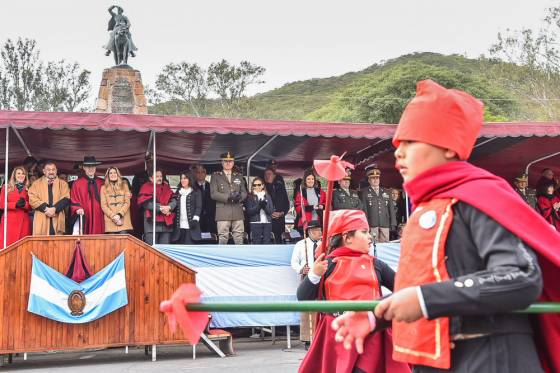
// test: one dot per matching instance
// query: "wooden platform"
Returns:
(151, 277)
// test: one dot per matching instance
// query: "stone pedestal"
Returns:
(121, 92)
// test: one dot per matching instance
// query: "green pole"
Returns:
(328, 306)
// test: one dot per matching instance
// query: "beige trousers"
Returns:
(307, 326)
(237, 230)
(379, 234)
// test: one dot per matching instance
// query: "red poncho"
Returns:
(464, 181)
(163, 197)
(85, 195)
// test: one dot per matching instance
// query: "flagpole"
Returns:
(6, 187)
(154, 199)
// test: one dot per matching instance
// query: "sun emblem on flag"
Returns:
(77, 302)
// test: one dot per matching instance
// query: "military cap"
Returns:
(522, 177)
(348, 175)
(374, 172)
(227, 156)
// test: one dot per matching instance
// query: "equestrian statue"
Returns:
(120, 40)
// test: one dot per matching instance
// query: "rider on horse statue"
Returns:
(119, 25)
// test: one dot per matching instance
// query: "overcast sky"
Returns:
(292, 39)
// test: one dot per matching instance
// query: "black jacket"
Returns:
(194, 208)
(253, 208)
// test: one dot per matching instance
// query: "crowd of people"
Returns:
(41, 201)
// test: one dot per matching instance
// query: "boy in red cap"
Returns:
(471, 253)
(348, 273)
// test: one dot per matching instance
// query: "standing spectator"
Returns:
(187, 212)
(49, 196)
(273, 165)
(277, 191)
(17, 220)
(228, 189)
(165, 205)
(30, 165)
(303, 257)
(208, 214)
(345, 198)
(378, 208)
(136, 217)
(549, 204)
(309, 201)
(259, 208)
(520, 186)
(547, 175)
(115, 202)
(85, 199)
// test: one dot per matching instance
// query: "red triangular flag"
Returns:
(78, 269)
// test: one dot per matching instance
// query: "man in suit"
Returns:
(208, 215)
(277, 190)
(228, 189)
(378, 207)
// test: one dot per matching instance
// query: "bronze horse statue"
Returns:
(120, 41)
(120, 46)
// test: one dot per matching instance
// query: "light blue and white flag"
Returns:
(59, 298)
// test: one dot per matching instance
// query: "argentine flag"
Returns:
(104, 293)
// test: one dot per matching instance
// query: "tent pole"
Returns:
(150, 143)
(23, 144)
(485, 142)
(153, 137)
(540, 159)
(254, 154)
(6, 188)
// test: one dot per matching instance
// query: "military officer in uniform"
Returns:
(527, 194)
(378, 207)
(344, 197)
(229, 190)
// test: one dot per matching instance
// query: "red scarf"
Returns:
(496, 198)
(345, 251)
(163, 197)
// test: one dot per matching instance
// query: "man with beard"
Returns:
(49, 196)
(86, 200)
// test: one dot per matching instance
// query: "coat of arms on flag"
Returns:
(57, 297)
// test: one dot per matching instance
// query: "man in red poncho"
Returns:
(85, 201)
(471, 253)
(165, 205)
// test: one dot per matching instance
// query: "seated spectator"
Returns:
(309, 201)
(164, 205)
(277, 191)
(186, 229)
(49, 196)
(115, 202)
(549, 204)
(19, 224)
(259, 208)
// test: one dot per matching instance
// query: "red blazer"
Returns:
(19, 224)
(300, 203)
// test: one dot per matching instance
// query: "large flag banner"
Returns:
(59, 298)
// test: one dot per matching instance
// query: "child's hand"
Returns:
(320, 265)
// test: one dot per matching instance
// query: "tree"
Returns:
(26, 83)
(230, 82)
(536, 51)
(184, 82)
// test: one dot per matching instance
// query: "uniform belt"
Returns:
(465, 336)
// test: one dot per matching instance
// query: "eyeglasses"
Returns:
(256, 185)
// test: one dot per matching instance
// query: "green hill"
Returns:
(379, 92)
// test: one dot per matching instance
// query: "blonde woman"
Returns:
(115, 202)
(19, 224)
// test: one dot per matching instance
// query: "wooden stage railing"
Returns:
(151, 277)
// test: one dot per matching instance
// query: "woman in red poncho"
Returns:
(549, 204)
(19, 224)
(309, 201)
(348, 273)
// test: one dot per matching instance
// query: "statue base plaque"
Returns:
(121, 92)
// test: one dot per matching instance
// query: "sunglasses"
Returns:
(256, 185)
